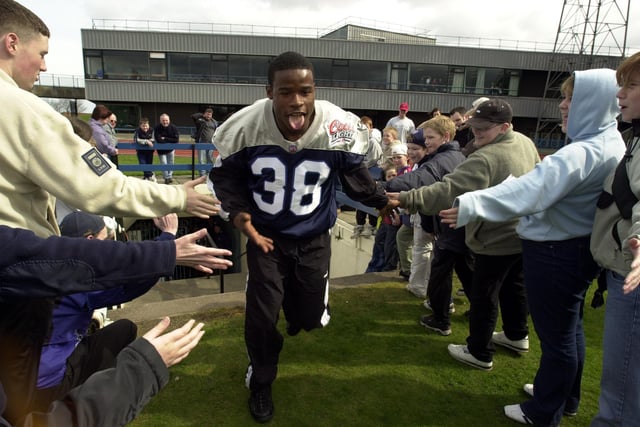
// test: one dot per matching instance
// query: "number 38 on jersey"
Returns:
(298, 190)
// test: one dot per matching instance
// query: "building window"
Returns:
(457, 80)
(219, 68)
(429, 78)
(514, 82)
(248, 69)
(126, 65)
(368, 74)
(190, 67)
(322, 71)
(340, 73)
(157, 66)
(399, 76)
(93, 68)
(492, 81)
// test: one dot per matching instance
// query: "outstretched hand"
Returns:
(242, 222)
(202, 258)
(174, 346)
(200, 205)
(167, 223)
(393, 202)
(633, 278)
(449, 216)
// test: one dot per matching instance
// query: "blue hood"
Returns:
(586, 117)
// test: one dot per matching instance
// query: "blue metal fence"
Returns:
(192, 147)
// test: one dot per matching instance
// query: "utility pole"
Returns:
(591, 34)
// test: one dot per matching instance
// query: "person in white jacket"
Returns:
(556, 203)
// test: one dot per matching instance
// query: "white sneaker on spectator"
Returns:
(427, 305)
(460, 352)
(514, 412)
(528, 388)
(519, 346)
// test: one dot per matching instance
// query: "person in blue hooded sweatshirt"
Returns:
(556, 203)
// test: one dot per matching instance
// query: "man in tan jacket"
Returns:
(42, 159)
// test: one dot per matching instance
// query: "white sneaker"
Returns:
(357, 231)
(247, 377)
(367, 231)
(519, 346)
(528, 388)
(460, 352)
(427, 305)
(514, 412)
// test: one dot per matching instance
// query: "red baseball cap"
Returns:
(404, 106)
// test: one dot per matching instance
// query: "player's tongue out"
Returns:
(296, 121)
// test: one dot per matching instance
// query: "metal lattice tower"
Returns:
(591, 34)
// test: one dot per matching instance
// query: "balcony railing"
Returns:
(60, 80)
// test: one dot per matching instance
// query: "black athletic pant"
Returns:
(498, 282)
(441, 279)
(294, 277)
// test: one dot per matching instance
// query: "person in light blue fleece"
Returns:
(556, 203)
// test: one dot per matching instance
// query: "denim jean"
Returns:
(167, 159)
(145, 157)
(204, 157)
(557, 276)
(619, 403)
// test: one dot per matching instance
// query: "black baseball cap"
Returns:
(492, 111)
(417, 137)
(81, 224)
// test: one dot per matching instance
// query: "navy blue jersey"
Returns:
(289, 187)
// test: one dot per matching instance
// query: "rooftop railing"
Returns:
(308, 32)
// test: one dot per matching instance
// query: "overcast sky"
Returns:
(529, 20)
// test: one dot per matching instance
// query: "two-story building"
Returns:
(146, 68)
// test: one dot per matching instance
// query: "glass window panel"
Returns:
(189, 66)
(487, 81)
(368, 74)
(514, 82)
(429, 78)
(158, 69)
(340, 73)
(496, 82)
(248, 69)
(127, 65)
(219, 68)
(93, 65)
(457, 83)
(322, 71)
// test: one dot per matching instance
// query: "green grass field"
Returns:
(374, 365)
(131, 159)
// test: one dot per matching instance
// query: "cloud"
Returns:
(533, 21)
